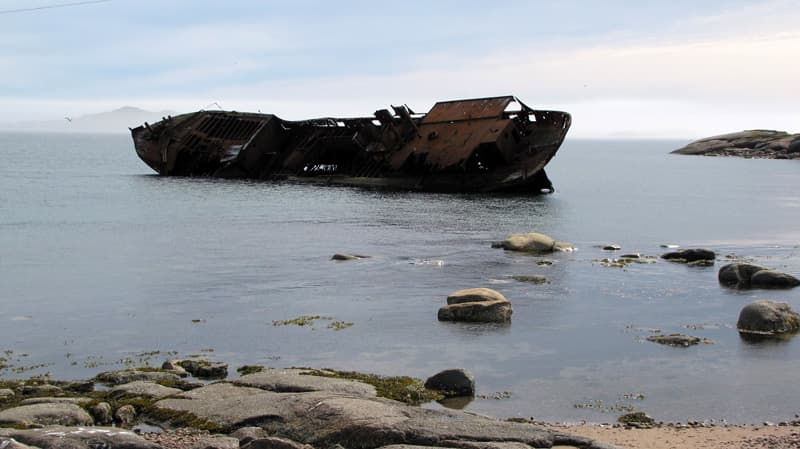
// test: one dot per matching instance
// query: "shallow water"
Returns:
(102, 261)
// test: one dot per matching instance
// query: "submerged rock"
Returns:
(677, 340)
(773, 279)
(533, 242)
(531, 278)
(452, 382)
(690, 255)
(339, 256)
(745, 275)
(768, 318)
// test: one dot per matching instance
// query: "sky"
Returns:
(666, 69)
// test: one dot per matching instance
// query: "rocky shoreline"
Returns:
(752, 144)
(269, 408)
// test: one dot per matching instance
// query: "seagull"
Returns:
(69, 119)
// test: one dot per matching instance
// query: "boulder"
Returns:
(38, 415)
(173, 367)
(57, 437)
(612, 247)
(689, 255)
(452, 382)
(477, 312)
(143, 389)
(342, 257)
(475, 295)
(298, 380)
(738, 274)
(102, 413)
(48, 400)
(533, 242)
(6, 393)
(10, 443)
(205, 369)
(773, 279)
(125, 415)
(768, 318)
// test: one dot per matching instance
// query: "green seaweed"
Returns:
(249, 369)
(339, 325)
(400, 388)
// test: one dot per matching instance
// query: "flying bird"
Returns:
(69, 119)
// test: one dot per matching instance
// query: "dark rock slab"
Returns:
(738, 274)
(690, 255)
(204, 369)
(677, 340)
(477, 312)
(768, 318)
(39, 415)
(57, 437)
(344, 257)
(530, 278)
(296, 381)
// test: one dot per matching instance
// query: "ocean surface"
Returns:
(104, 264)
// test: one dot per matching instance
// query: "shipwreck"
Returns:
(475, 145)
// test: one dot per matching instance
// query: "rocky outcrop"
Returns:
(690, 255)
(143, 389)
(762, 144)
(130, 375)
(299, 380)
(768, 318)
(476, 305)
(58, 437)
(533, 242)
(745, 275)
(39, 415)
(204, 369)
(452, 382)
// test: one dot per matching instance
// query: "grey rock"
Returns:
(173, 367)
(10, 443)
(57, 437)
(205, 369)
(452, 382)
(125, 415)
(690, 255)
(298, 380)
(677, 340)
(6, 393)
(533, 242)
(757, 143)
(475, 295)
(738, 274)
(41, 389)
(477, 312)
(47, 400)
(612, 247)
(275, 443)
(102, 413)
(130, 375)
(248, 434)
(38, 415)
(768, 318)
(143, 389)
(637, 419)
(773, 279)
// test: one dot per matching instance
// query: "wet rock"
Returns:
(130, 375)
(125, 415)
(102, 413)
(533, 242)
(6, 393)
(677, 340)
(738, 274)
(80, 387)
(690, 255)
(773, 279)
(452, 382)
(205, 369)
(275, 443)
(612, 247)
(477, 312)
(768, 318)
(475, 295)
(143, 389)
(173, 367)
(298, 380)
(248, 434)
(342, 257)
(38, 415)
(58, 437)
(531, 278)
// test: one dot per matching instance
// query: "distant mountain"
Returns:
(116, 121)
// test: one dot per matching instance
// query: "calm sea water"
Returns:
(101, 261)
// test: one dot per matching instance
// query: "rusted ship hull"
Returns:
(477, 145)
